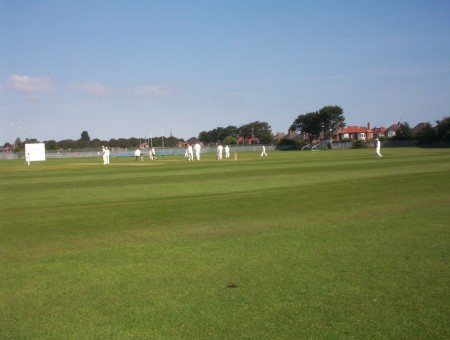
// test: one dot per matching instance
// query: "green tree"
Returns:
(443, 129)
(133, 142)
(113, 143)
(218, 134)
(85, 137)
(18, 144)
(245, 131)
(30, 141)
(97, 143)
(309, 123)
(263, 132)
(427, 135)
(67, 144)
(51, 144)
(325, 121)
(230, 140)
(404, 132)
(331, 117)
(231, 130)
(123, 143)
(259, 130)
(171, 141)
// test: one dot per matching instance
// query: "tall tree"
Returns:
(18, 144)
(309, 123)
(51, 144)
(230, 140)
(205, 137)
(443, 129)
(427, 135)
(262, 131)
(330, 118)
(403, 132)
(85, 137)
(325, 121)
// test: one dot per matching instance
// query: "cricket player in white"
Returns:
(197, 148)
(227, 151)
(219, 151)
(263, 153)
(378, 148)
(106, 156)
(190, 153)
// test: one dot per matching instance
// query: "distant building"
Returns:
(279, 136)
(355, 133)
(244, 140)
(379, 132)
(6, 149)
(418, 128)
(392, 130)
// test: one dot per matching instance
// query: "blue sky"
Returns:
(146, 68)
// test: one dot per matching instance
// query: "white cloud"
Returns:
(153, 91)
(92, 88)
(30, 84)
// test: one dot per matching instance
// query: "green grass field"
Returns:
(299, 245)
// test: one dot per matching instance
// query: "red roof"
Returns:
(379, 130)
(354, 129)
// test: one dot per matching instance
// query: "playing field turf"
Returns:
(329, 244)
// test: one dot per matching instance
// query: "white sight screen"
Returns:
(35, 152)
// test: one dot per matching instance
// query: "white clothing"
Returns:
(137, 154)
(106, 156)
(219, 151)
(197, 148)
(190, 153)
(378, 149)
(227, 151)
(263, 153)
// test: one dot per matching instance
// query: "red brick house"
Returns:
(242, 140)
(355, 133)
(379, 132)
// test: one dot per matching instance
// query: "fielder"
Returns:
(219, 151)
(378, 148)
(190, 153)
(263, 153)
(106, 156)
(197, 149)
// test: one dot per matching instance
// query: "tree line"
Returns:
(323, 123)
(428, 135)
(316, 125)
(86, 143)
(254, 133)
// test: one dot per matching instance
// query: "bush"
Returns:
(289, 144)
(359, 144)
